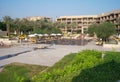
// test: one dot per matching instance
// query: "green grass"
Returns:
(17, 72)
(85, 66)
(63, 62)
(107, 72)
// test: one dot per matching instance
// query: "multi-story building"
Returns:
(35, 18)
(112, 17)
(82, 22)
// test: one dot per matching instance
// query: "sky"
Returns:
(55, 8)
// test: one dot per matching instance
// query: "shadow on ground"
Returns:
(108, 72)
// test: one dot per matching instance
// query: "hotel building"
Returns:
(35, 18)
(82, 22)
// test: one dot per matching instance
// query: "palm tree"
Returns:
(50, 24)
(7, 20)
(25, 24)
(72, 25)
(33, 25)
(60, 25)
(37, 25)
(17, 23)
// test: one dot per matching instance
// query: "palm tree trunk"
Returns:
(8, 30)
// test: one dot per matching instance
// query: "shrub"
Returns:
(82, 60)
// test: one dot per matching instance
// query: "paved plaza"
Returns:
(46, 57)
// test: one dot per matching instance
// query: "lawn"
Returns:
(85, 66)
(18, 72)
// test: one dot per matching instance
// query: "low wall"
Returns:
(112, 45)
(7, 41)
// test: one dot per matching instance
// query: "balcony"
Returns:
(68, 20)
(80, 24)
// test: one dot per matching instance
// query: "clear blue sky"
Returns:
(55, 8)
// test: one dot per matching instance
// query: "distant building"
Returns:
(35, 18)
(83, 21)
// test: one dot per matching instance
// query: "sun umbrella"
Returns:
(59, 34)
(53, 34)
(35, 34)
(31, 35)
(46, 35)
(40, 35)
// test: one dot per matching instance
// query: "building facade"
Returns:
(82, 22)
(35, 18)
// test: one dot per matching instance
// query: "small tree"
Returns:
(72, 26)
(92, 29)
(7, 20)
(103, 30)
(118, 23)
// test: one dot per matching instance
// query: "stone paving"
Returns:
(45, 57)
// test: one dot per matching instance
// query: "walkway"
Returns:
(45, 57)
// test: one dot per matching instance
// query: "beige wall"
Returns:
(35, 18)
(83, 21)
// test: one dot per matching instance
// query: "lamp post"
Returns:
(103, 54)
(102, 51)
(21, 33)
(82, 39)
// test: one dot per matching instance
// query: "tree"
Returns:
(72, 25)
(44, 26)
(92, 29)
(103, 30)
(17, 25)
(118, 23)
(7, 20)
(2, 26)
(59, 25)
